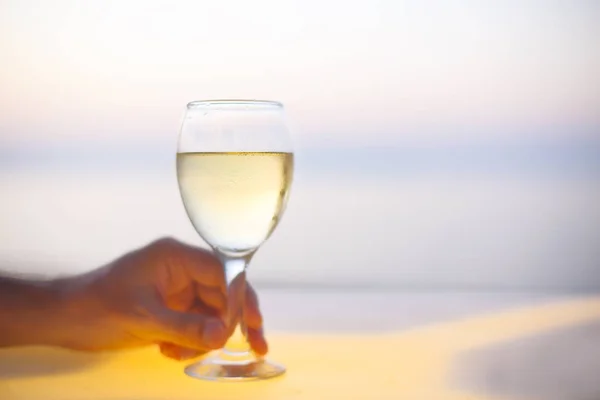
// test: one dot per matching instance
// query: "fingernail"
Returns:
(214, 334)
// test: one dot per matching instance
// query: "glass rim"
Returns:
(235, 103)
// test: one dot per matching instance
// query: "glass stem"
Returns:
(237, 347)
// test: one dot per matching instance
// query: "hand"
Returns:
(167, 293)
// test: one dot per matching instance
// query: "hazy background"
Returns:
(440, 144)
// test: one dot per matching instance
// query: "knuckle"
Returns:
(166, 243)
(209, 259)
(168, 247)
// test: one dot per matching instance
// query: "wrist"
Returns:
(37, 312)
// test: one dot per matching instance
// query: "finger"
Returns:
(182, 300)
(188, 329)
(254, 322)
(257, 341)
(200, 265)
(201, 308)
(213, 298)
(179, 353)
(252, 315)
(204, 268)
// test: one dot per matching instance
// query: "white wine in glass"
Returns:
(235, 168)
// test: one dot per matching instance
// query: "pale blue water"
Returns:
(470, 218)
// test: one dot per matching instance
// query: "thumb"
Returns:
(189, 329)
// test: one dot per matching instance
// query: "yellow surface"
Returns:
(408, 365)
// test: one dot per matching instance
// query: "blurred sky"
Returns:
(351, 73)
(442, 143)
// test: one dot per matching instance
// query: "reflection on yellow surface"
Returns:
(407, 365)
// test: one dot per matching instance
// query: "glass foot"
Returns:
(216, 369)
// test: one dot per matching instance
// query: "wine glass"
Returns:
(235, 167)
